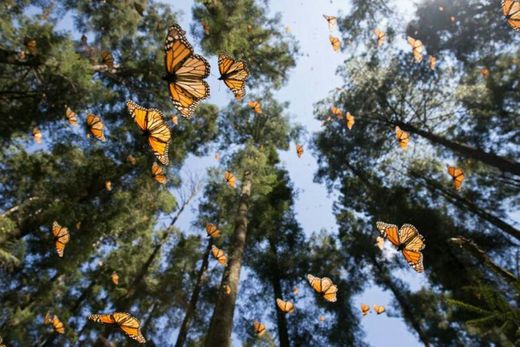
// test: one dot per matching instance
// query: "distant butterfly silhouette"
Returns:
(365, 309)
(433, 61)
(331, 22)
(335, 43)
(379, 309)
(350, 120)
(115, 278)
(57, 324)
(158, 174)
(72, 117)
(381, 36)
(37, 135)
(255, 106)
(299, 150)
(230, 179)
(285, 306)
(402, 137)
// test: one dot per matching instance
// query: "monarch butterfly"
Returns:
(402, 137)
(285, 306)
(217, 156)
(336, 111)
(379, 309)
(259, 328)
(255, 106)
(381, 36)
(95, 127)
(457, 175)
(31, 45)
(336, 44)
(158, 174)
(322, 318)
(323, 286)
(56, 323)
(380, 242)
(37, 134)
(484, 72)
(212, 230)
(72, 117)
(115, 278)
(351, 120)
(227, 289)
(231, 180)
(107, 59)
(131, 159)
(185, 72)
(61, 237)
(331, 22)
(433, 61)
(299, 150)
(175, 120)
(511, 9)
(126, 322)
(408, 240)
(295, 291)
(234, 74)
(417, 48)
(365, 309)
(108, 185)
(219, 255)
(152, 124)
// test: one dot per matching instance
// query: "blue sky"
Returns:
(311, 81)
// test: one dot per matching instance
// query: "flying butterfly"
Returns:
(61, 237)
(158, 174)
(285, 306)
(351, 120)
(37, 135)
(380, 242)
(379, 309)
(219, 255)
(131, 159)
(458, 176)
(511, 10)
(175, 120)
(107, 59)
(57, 324)
(381, 36)
(335, 43)
(323, 286)
(95, 127)
(259, 328)
(115, 278)
(231, 180)
(331, 22)
(336, 111)
(217, 156)
(72, 117)
(212, 230)
(299, 150)
(255, 106)
(402, 137)
(108, 185)
(417, 48)
(365, 309)
(432, 61)
(126, 322)
(484, 72)
(227, 289)
(234, 74)
(185, 72)
(322, 318)
(154, 128)
(295, 290)
(31, 45)
(407, 240)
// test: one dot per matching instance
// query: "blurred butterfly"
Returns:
(484, 72)
(323, 286)
(288, 29)
(234, 74)
(72, 117)
(331, 22)
(175, 120)
(219, 255)
(108, 185)
(154, 128)
(185, 72)
(336, 111)
(126, 322)
(56, 323)
(379, 309)
(402, 137)
(230, 179)
(417, 48)
(299, 150)
(204, 27)
(78, 225)
(31, 45)
(295, 291)
(365, 309)
(350, 120)
(322, 318)
(255, 106)
(1, 342)
(158, 173)
(131, 159)
(285, 306)
(432, 61)
(212, 230)
(511, 10)
(217, 156)
(227, 289)
(381, 36)
(336, 44)
(380, 242)
(457, 175)
(61, 237)
(95, 127)
(37, 135)
(259, 328)
(407, 240)
(107, 59)
(115, 278)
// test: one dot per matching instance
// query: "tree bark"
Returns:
(219, 334)
(190, 311)
(501, 163)
(283, 335)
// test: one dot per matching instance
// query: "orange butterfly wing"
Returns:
(234, 74)
(212, 230)
(230, 179)
(219, 255)
(61, 237)
(390, 232)
(158, 174)
(299, 150)
(95, 127)
(511, 10)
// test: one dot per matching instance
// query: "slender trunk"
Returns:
(149, 317)
(219, 334)
(470, 206)
(283, 335)
(188, 316)
(501, 163)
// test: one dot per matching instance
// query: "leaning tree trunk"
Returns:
(501, 163)
(219, 334)
(283, 335)
(190, 311)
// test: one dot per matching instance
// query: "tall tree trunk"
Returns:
(219, 334)
(501, 163)
(190, 311)
(470, 206)
(283, 335)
